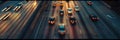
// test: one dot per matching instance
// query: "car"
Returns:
(3, 10)
(76, 8)
(7, 8)
(61, 12)
(72, 20)
(18, 7)
(69, 11)
(51, 20)
(2, 17)
(93, 18)
(61, 30)
(89, 3)
(5, 17)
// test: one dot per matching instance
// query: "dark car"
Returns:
(7, 8)
(72, 20)
(51, 20)
(89, 3)
(93, 18)
(61, 12)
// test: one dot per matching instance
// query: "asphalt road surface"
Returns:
(31, 21)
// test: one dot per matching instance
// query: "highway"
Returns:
(31, 21)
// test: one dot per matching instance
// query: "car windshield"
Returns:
(76, 7)
(51, 19)
(69, 9)
(61, 11)
(72, 18)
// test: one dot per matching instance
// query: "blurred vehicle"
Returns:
(7, 8)
(61, 30)
(51, 20)
(76, 8)
(18, 7)
(89, 3)
(93, 18)
(61, 12)
(1, 18)
(72, 20)
(4, 17)
(69, 11)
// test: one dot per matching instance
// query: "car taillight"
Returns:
(93, 18)
(52, 22)
(48, 21)
(72, 21)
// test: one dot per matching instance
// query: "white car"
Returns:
(69, 11)
(76, 8)
(4, 17)
(6, 8)
(17, 8)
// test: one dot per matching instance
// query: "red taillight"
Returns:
(48, 21)
(52, 22)
(93, 18)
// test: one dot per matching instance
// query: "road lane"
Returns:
(103, 30)
(18, 28)
(23, 23)
(13, 28)
(18, 20)
(7, 22)
(113, 22)
(90, 30)
(30, 32)
(66, 22)
(80, 31)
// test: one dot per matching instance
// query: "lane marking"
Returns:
(109, 16)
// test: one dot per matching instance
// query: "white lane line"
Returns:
(109, 16)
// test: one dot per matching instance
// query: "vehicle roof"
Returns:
(76, 6)
(52, 18)
(61, 10)
(61, 26)
(69, 8)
